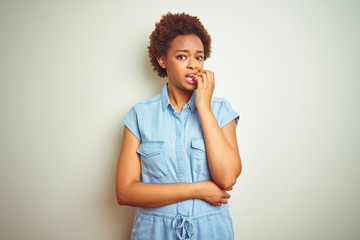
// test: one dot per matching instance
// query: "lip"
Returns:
(191, 81)
(192, 74)
(190, 78)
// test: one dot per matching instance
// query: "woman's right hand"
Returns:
(213, 194)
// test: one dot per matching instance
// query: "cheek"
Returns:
(201, 65)
(177, 68)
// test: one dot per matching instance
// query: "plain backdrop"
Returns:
(70, 70)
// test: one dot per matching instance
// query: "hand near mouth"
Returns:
(205, 89)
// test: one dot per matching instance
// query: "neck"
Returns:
(178, 98)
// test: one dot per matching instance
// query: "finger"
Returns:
(199, 81)
(203, 77)
(213, 77)
(201, 73)
(227, 196)
(209, 76)
(224, 201)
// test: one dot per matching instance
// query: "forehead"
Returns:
(186, 42)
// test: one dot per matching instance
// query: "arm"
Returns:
(221, 144)
(130, 191)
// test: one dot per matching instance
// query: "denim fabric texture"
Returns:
(172, 149)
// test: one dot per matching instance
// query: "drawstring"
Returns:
(183, 226)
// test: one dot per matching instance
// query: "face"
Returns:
(184, 58)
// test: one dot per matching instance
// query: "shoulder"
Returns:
(142, 110)
(218, 102)
(223, 111)
(148, 103)
(215, 99)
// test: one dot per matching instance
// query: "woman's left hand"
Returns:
(205, 89)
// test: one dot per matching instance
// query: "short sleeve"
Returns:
(131, 122)
(224, 113)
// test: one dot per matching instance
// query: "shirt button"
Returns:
(185, 117)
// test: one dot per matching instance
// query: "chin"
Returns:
(192, 87)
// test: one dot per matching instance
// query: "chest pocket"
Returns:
(198, 152)
(152, 159)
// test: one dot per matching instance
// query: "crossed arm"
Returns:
(130, 191)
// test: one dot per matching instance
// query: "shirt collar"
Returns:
(165, 102)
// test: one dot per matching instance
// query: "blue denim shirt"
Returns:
(173, 150)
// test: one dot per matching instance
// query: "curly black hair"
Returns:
(169, 27)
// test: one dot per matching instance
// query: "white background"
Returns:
(71, 69)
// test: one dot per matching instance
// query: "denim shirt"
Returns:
(172, 147)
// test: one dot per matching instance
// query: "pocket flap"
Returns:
(149, 149)
(198, 143)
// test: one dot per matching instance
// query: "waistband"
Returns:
(171, 215)
(183, 225)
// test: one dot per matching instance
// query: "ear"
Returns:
(161, 61)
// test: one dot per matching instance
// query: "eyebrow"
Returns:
(187, 51)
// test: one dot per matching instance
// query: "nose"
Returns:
(192, 64)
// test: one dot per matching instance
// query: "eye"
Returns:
(199, 58)
(181, 57)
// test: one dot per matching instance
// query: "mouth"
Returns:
(190, 77)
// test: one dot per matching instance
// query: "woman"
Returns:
(179, 153)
